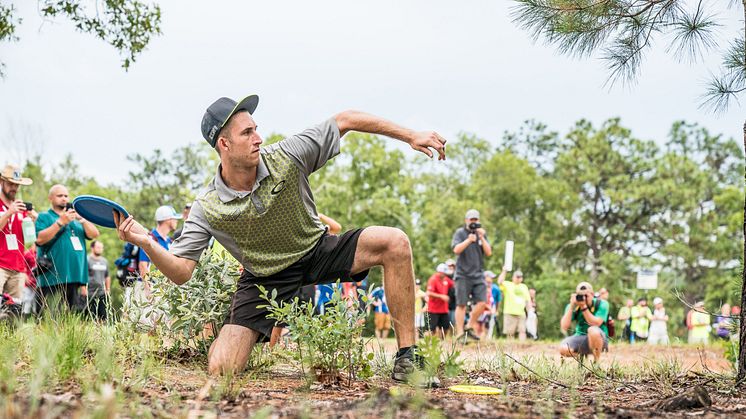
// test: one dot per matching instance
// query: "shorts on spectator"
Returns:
(513, 323)
(382, 321)
(438, 320)
(579, 343)
(468, 289)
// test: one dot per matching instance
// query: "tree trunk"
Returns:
(741, 377)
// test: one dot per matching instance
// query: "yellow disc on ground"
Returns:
(463, 388)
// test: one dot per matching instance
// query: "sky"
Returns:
(429, 65)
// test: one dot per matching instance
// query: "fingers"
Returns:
(426, 151)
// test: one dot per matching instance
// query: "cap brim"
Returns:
(24, 181)
(248, 104)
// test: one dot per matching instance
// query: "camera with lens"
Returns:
(580, 298)
(29, 206)
(68, 206)
(473, 227)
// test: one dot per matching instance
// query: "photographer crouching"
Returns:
(590, 315)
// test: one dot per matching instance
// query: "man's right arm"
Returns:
(177, 269)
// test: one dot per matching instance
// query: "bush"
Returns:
(189, 315)
(330, 343)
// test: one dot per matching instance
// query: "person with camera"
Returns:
(12, 213)
(62, 263)
(590, 315)
(471, 245)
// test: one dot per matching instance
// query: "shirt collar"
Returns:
(226, 194)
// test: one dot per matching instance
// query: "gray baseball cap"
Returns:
(472, 213)
(221, 111)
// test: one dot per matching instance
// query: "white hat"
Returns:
(442, 268)
(472, 213)
(490, 274)
(166, 212)
(657, 300)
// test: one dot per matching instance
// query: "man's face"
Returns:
(59, 197)
(185, 213)
(471, 220)
(604, 295)
(451, 269)
(243, 141)
(642, 303)
(9, 190)
(630, 303)
(98, 249)
(518, 279)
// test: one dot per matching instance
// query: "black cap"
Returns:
(220, 112)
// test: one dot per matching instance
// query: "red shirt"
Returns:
(12, 259)
(439, 284)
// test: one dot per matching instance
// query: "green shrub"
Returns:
(181, 313)
(330, 343)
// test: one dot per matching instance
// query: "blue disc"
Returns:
(98, 210)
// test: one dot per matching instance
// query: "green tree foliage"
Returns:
(595, 203)
(126, 25)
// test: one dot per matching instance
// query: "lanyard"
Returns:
(11, 220)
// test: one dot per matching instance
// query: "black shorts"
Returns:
(330, 260)
(438, 320)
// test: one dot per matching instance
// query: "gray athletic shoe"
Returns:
(406, 363)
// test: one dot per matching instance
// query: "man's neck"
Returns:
(238, 179)
(163, 230)
(57, 210)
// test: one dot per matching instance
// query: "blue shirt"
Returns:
(497, 295)
(164, 242)
(378, 295)
(324, 294)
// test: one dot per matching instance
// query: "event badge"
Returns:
(11, 241)
(76, 243)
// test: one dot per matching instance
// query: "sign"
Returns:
(647, 279)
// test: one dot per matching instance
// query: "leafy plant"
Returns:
(330, 343)
(190, 315)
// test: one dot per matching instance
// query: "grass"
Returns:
(66, 366)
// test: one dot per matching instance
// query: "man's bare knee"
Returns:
(565, 350)
(398, 244)
(230, 352)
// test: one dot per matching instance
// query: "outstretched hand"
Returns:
(425, 140)
(130, 230)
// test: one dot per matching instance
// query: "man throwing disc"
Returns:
(259, 206)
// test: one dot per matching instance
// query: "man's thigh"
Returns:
(521, 324)
(463, 291)
(578, 344)
(373, 244)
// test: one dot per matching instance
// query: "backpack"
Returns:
(127, 269)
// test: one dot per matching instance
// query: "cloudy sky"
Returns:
(443, 65)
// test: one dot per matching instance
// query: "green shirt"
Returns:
(70, 266)
(515, 297)
(641, 324)
(703, 320)
(599, 308)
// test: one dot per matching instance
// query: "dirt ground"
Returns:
(184, 390)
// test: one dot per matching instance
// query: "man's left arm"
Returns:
(486, 247)
(91, 232)
(422, 141)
